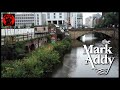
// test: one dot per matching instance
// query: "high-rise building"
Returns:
(96, 19)
(56, 17)
(76, 20)
(44, 19)
(89, 22)
(28, 18)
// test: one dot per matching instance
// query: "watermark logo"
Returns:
(101, 57)
(8, 19)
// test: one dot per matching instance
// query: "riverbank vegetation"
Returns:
(38, 62)
(115, 46)
(18, 50)
(109, 19)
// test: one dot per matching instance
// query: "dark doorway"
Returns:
(54, 22)
(26, 49)
(60, 22)
(59, 36)
(49, 22)
(32, 47)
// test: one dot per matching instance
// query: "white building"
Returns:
(96, 18)
(76, 20)
(97, 15)
(89, 22)
(56, 17)
(29, 18)
(44, 19)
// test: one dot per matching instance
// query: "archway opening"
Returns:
(32, 47)
(26, 49)
(93, 36)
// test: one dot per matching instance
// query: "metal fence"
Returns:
(8, 51)
(11, 36)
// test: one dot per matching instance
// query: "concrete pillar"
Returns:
(62, 21)
(57, 22)
(51, 22)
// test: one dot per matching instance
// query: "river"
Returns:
(74, 64)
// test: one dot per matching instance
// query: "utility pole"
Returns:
(68, 23)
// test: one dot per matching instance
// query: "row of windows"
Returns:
(48, 15)
(54, 13)
(19, 20)
(23, 24)
(54, 17)
(24, 20)
(24, 17)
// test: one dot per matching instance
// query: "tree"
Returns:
(16, 27)
(21, 26)
(111, 18)
(24, 26)
(45, 23)
(32, 26)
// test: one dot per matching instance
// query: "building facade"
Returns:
(89, 22)
(76, 20)
(27, 19)
(24, 19)
(96, 19)
(56, 18)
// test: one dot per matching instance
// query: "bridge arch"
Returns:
(104, 35)
(76, 33)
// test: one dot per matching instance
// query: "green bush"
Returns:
(48, 38)
(37, 63)
(63, 47)
(12, 69)
(67, 42)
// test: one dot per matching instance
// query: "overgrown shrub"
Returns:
(38, 62)
(63, 47)
(48, 38)
(36, 65)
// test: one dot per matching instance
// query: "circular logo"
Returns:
(8, 20)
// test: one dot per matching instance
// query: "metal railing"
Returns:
(11, 39)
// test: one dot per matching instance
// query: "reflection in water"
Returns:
(68, 66)
(74, 62)
(88, 37)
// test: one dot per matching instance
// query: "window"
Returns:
(54, 17)
(44, 28)
(60, 13)
(35, 29)
(54, 13)
(60, 16)
(48, 15)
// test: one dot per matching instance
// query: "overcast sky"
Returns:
(87, 14)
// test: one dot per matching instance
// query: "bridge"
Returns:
(75, 33)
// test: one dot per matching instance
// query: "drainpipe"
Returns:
(74, 34)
